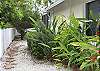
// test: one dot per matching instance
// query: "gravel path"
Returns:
(24, 61)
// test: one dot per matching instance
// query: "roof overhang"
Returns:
(54, 4)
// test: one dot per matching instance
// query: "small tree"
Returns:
(17, 13)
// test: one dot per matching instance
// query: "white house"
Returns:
(80, 9)
(68, 7)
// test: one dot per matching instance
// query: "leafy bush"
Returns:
(74, 46)
(17, 12)
(64, 42)
(39, 40)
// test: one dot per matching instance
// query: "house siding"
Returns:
(68, 7)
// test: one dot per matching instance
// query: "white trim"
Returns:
(87, 21)
(89, 1)
(54, 4)
(1, 42)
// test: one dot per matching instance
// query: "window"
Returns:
(93, 6)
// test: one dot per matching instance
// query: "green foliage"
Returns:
(84, 45)
(2, 25)
(43, 2)
(63, 41)
(16, 13)
(87, 65)
(74, 45)
(39, 40)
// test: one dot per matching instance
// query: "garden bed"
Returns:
(65, 44)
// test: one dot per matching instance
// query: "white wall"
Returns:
(69, 7)
(6, 37)
(1, 43)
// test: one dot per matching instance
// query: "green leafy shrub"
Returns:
(74, 46)
(40, 41)
(64, 42)
(16, 13)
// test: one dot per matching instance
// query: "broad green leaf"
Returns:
(86, 64)
(87, 46)
(84, 45)
(61, 24)
(33, 20)
(57, 60)
(63, 47)
(44, 45)
(95, 39)
(63, 55)
(76, 44)
(57, 48)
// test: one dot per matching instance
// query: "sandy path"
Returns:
(25, 62)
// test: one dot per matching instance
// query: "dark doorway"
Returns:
(45, 19)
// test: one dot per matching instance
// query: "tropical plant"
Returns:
(74, 46)
(42, 38)
(64, 41)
